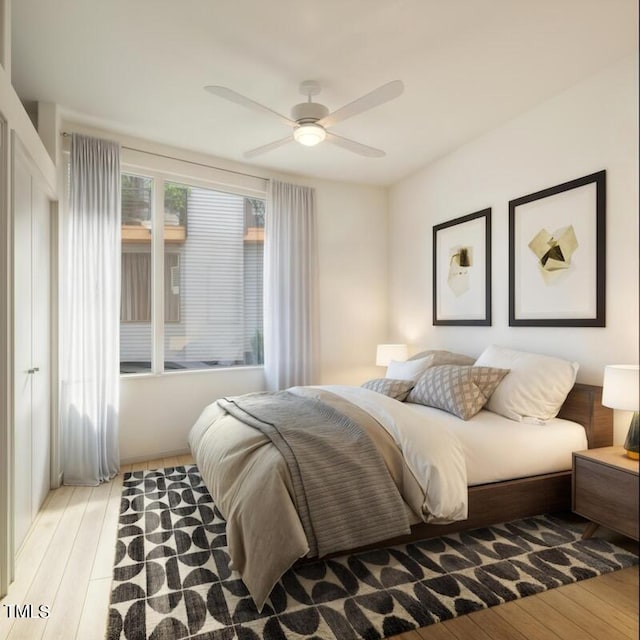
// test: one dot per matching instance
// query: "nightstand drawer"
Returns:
(606, 495)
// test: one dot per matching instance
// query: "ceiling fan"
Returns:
(311, 120)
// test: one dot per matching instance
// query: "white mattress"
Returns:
(496, 448)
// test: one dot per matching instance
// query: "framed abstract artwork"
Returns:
(462, 270)
(557, 255)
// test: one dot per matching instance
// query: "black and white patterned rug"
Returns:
(172, 580)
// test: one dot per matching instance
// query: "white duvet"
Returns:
(431, 450)
(250, 484)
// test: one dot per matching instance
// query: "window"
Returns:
(211, 277)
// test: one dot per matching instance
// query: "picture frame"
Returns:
(557, 255)
(462, 270)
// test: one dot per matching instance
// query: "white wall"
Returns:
(352, 245)
(591, 126)
(156, 412)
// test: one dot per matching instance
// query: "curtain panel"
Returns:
(89, 314)
(290, 277)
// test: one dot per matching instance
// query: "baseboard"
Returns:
(155, 456)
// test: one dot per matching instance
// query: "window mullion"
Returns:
(157, 252)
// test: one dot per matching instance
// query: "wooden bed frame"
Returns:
(503, 501)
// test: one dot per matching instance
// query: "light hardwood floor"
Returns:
(67, 557)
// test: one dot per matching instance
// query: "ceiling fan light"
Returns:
(309, 134)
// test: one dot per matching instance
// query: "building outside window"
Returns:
(211, 277)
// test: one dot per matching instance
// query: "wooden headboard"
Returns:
(584, 406)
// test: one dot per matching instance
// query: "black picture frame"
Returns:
(580, 299)
(469, 229)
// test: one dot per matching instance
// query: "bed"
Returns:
(436, 508)
(495, 502)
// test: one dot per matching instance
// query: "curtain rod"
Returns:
(65, 134)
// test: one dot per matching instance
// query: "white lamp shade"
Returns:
(620, 387)
(309, 134)
(388, 352)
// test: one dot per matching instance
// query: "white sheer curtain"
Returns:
(89, 314)
(290, 277)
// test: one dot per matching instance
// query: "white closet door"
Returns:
(40, 341)
(22, 480)
(32, 394)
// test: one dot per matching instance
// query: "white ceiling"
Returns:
(139, 67)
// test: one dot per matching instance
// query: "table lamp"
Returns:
(388, 352)
(620, 391)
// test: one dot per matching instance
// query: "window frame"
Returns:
(159, 178)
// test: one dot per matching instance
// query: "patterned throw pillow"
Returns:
(460, 390)
(398, 389)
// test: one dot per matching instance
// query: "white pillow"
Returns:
(409, 369)
(536, 387)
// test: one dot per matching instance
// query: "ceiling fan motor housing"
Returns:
(308, 112)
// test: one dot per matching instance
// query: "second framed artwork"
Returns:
(557, 255)
(462, 270)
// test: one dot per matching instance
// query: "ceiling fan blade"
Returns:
(356, 147)
(238, 98)
(372, 99)
(267, 147)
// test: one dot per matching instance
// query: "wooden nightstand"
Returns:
(605, 490)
